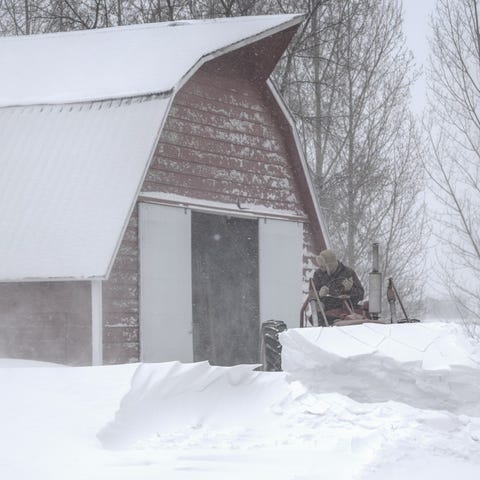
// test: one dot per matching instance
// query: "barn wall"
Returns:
(121, 301)
(223, 141)
(47, 321)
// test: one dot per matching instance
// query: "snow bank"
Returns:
(169, 397)
(430, 365)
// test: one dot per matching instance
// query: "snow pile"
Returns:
(435, 345)
(433, 366)
(173, 396)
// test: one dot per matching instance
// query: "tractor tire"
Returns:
(271, 350)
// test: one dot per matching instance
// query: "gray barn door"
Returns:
(225, 289)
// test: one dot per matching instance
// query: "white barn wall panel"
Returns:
(281, 265)
(165, 283)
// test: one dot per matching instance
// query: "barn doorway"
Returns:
(225, 289)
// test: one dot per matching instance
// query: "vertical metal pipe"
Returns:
(375, 258)
(375, 285)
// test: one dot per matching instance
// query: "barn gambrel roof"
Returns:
(120, 62)
(80, 116)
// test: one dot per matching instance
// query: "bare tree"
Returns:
(347, 76)
(455, 146)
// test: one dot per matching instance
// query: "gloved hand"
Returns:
(323, 292)
(347, 284)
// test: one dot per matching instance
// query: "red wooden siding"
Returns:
(121, 302)
(222, 143)
(48, 321)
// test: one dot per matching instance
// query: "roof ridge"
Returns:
(146, 26)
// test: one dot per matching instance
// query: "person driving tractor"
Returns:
(336, 283)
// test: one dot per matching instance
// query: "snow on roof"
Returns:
(121, 61)
(69, 177)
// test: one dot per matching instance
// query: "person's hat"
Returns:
(327, 261)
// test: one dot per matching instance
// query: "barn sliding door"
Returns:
(281, 265)
(165, 284)
(225, 289)
(208, 281)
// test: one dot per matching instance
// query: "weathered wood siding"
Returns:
(47, 321)
(222, 143)
(121, 301)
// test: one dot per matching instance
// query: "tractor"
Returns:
(312, 314)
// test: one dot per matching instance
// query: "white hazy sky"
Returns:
(417, 30)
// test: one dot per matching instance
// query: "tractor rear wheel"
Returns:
(271, 351)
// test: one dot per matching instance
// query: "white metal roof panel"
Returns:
(69, 176)
(121, 61)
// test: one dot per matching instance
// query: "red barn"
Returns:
(154, 200)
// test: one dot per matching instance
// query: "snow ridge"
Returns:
(168, 397)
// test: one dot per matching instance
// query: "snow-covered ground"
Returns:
(361, 402)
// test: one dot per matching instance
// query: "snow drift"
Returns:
(168, 397)
(430, 365)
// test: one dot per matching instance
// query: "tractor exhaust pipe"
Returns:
(375, 285)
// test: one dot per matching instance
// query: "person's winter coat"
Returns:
(335, 283)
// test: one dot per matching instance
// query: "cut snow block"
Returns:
(433, 345)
